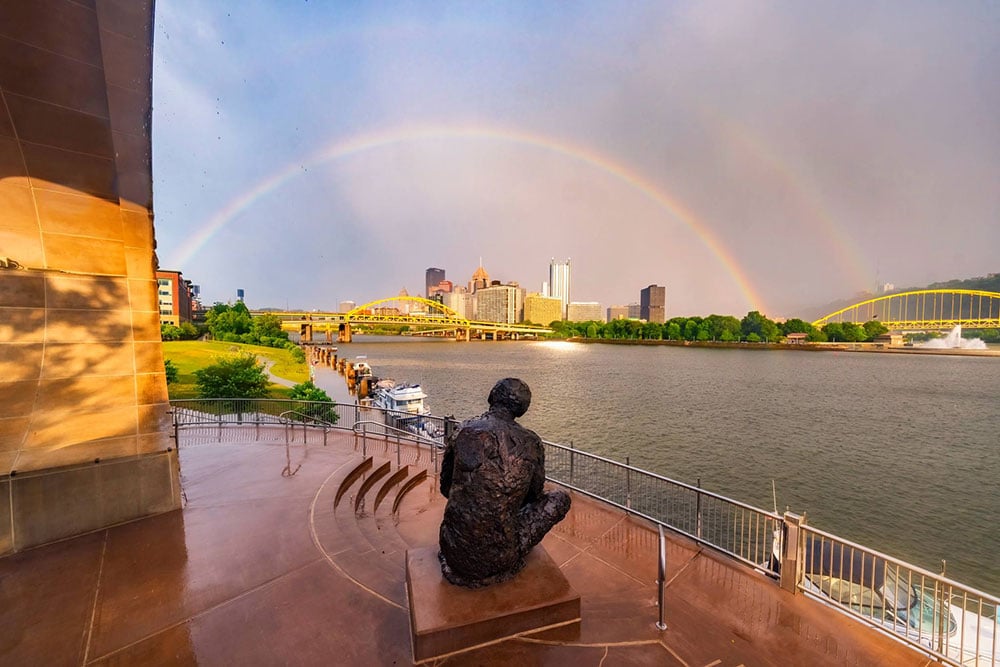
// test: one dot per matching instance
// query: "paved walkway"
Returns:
(284, 557)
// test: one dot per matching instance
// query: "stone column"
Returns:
(84, 425)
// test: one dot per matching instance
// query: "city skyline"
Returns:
(758, 156)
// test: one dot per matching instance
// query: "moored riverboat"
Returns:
(404, 408)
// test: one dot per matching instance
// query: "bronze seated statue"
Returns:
(493, 473)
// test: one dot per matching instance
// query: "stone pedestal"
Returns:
(445, 618)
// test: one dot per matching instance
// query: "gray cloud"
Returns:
(823, 145)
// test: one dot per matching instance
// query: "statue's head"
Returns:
(511, 394)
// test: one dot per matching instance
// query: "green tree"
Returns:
(691, 328)
(307, 391)
(722, 327)
(172, 371)
(169, 332)
(652, 331)
(633, 329)
(756, 323)
(673, 330)
(816, 336)
(267, 326)
(854, 333)
(834, 332)
(240, 376)
(795, 325)
(229, 322)
(189, 331)
(615, 329)
(874, 329)
(592, 330)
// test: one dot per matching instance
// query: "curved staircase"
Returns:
(355, 524)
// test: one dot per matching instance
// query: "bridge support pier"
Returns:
(344, 335)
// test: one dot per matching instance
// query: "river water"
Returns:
(896, 452)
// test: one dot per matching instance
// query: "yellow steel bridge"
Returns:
(921, 310)
(421, 316)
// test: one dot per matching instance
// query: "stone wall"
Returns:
(84, 425)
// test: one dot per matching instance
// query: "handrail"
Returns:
(317, 420)
(752, 535)
(957, 624)
(661, 576)
(689, 487)
(402, 431)
(433, 445)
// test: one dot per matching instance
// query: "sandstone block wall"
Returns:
(84, 427)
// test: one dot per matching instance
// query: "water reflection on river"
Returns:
(897, 452)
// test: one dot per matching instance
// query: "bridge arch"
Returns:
(436, 305)
(924, 309)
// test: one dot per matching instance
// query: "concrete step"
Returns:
(370, 480)
(353, 475)
(377, 527)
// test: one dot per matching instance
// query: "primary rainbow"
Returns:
(408, 133)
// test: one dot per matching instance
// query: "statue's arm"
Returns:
(537, 485)
(447, 468)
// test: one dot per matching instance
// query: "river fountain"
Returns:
(954, 340)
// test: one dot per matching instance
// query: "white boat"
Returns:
(400, 398)
(404, 408)
(898, 601)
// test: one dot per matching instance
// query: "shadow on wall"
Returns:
(82, 371)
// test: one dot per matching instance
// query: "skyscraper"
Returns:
(653, 304)
(500, 303)
(432, 278)
(480, 279)
(559, 282)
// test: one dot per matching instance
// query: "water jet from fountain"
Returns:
(954, 340)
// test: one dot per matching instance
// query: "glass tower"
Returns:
(559, 282)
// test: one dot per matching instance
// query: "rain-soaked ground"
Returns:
(260, 567)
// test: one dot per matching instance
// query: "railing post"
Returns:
(628, 483)
(792, 556)
(661, 577)
(572, 456)
(697, 504)
(364, 440)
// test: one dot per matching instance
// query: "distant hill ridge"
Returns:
(988, 283)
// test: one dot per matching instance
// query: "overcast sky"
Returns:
(745, 155)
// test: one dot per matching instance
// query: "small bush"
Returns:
(307, 391)
(236, 377)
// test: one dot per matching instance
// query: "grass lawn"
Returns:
(191, 355)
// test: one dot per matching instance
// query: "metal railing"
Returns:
(203, 419)
(386, 433)
(734, 528)
(952, 622)
(661, 576)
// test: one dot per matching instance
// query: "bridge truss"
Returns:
(417, 313)
(921, 310)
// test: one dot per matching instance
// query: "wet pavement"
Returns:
(265, 567)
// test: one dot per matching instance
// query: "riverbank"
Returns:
(797, 347)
